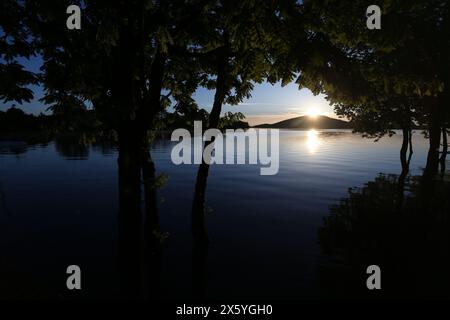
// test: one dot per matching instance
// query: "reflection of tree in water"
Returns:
(139, 231)
(72, 148)
(77, 146)
(22, 143)
(199, 233)
(3, 207)
(408, 236)
(106, 148)
(13, 148)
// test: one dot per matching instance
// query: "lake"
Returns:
(59, 203)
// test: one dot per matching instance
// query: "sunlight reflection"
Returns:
(312, 141)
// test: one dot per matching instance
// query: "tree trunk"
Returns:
(407, 141)
(151, 227)
(410, 147)
(434, 129)
(200, 236)
(404, 150)
(221, 91)
(198, 224)
(198, 229)
(444, 150)
(135, 104)
(150, 196)
(130, 217)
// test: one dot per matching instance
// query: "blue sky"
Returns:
(268, 103)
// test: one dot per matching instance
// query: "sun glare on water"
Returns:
(312, 141)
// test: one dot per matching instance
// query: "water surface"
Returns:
(58, 206)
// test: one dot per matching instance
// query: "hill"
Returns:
(307, 122)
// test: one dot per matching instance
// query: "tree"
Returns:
(125, 62)
(14, 45)
(240, 40)
(132, 59)
(376, 223)
(378, 72)
(233, 121)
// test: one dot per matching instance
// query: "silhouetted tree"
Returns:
(407, 236)
(14, 48)
(379, 74)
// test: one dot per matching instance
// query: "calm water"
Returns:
(58, 206)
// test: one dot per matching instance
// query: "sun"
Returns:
(313, 112)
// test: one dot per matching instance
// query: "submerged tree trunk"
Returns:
(150, 187)
(139, 234)
(200, 236)
(428, 183)
(198, 205)
(198, 229)
(410, 147)
(136, 103)
(152, 254)
(444, 150)
(434, 129)
(130, 216)
(406, 143)
(404, 150)
(3, 205)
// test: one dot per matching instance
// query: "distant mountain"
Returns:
(308, 122)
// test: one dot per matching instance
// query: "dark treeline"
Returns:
(85, 122)
(15, 120)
